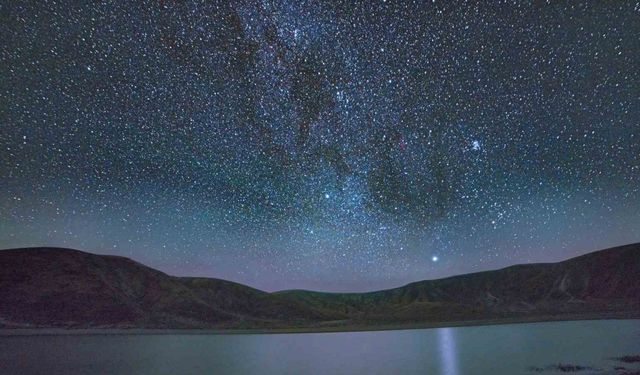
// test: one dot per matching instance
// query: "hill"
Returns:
(52, 287)
(602, 281)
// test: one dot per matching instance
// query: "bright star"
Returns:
(434, 258)
(475, 145)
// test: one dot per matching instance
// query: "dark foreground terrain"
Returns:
(62, 288)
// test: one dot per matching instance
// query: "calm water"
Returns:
(505, 349)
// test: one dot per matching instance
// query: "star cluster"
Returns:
(334, 145)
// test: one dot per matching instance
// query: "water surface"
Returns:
(499, 349)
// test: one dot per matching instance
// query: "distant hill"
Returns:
(52, 287)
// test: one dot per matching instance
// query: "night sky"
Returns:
(330, 145)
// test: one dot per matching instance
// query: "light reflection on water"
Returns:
(448, 352)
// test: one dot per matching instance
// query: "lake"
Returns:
(499, 349)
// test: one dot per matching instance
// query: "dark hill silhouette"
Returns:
(605, 280)
(52, 287)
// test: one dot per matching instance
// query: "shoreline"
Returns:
(24, 332)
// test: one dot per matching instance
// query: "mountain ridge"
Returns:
(56, 287)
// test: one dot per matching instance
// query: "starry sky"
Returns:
(329, 145)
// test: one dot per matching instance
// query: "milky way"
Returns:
(334, 145)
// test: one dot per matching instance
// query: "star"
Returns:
(393, 130)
